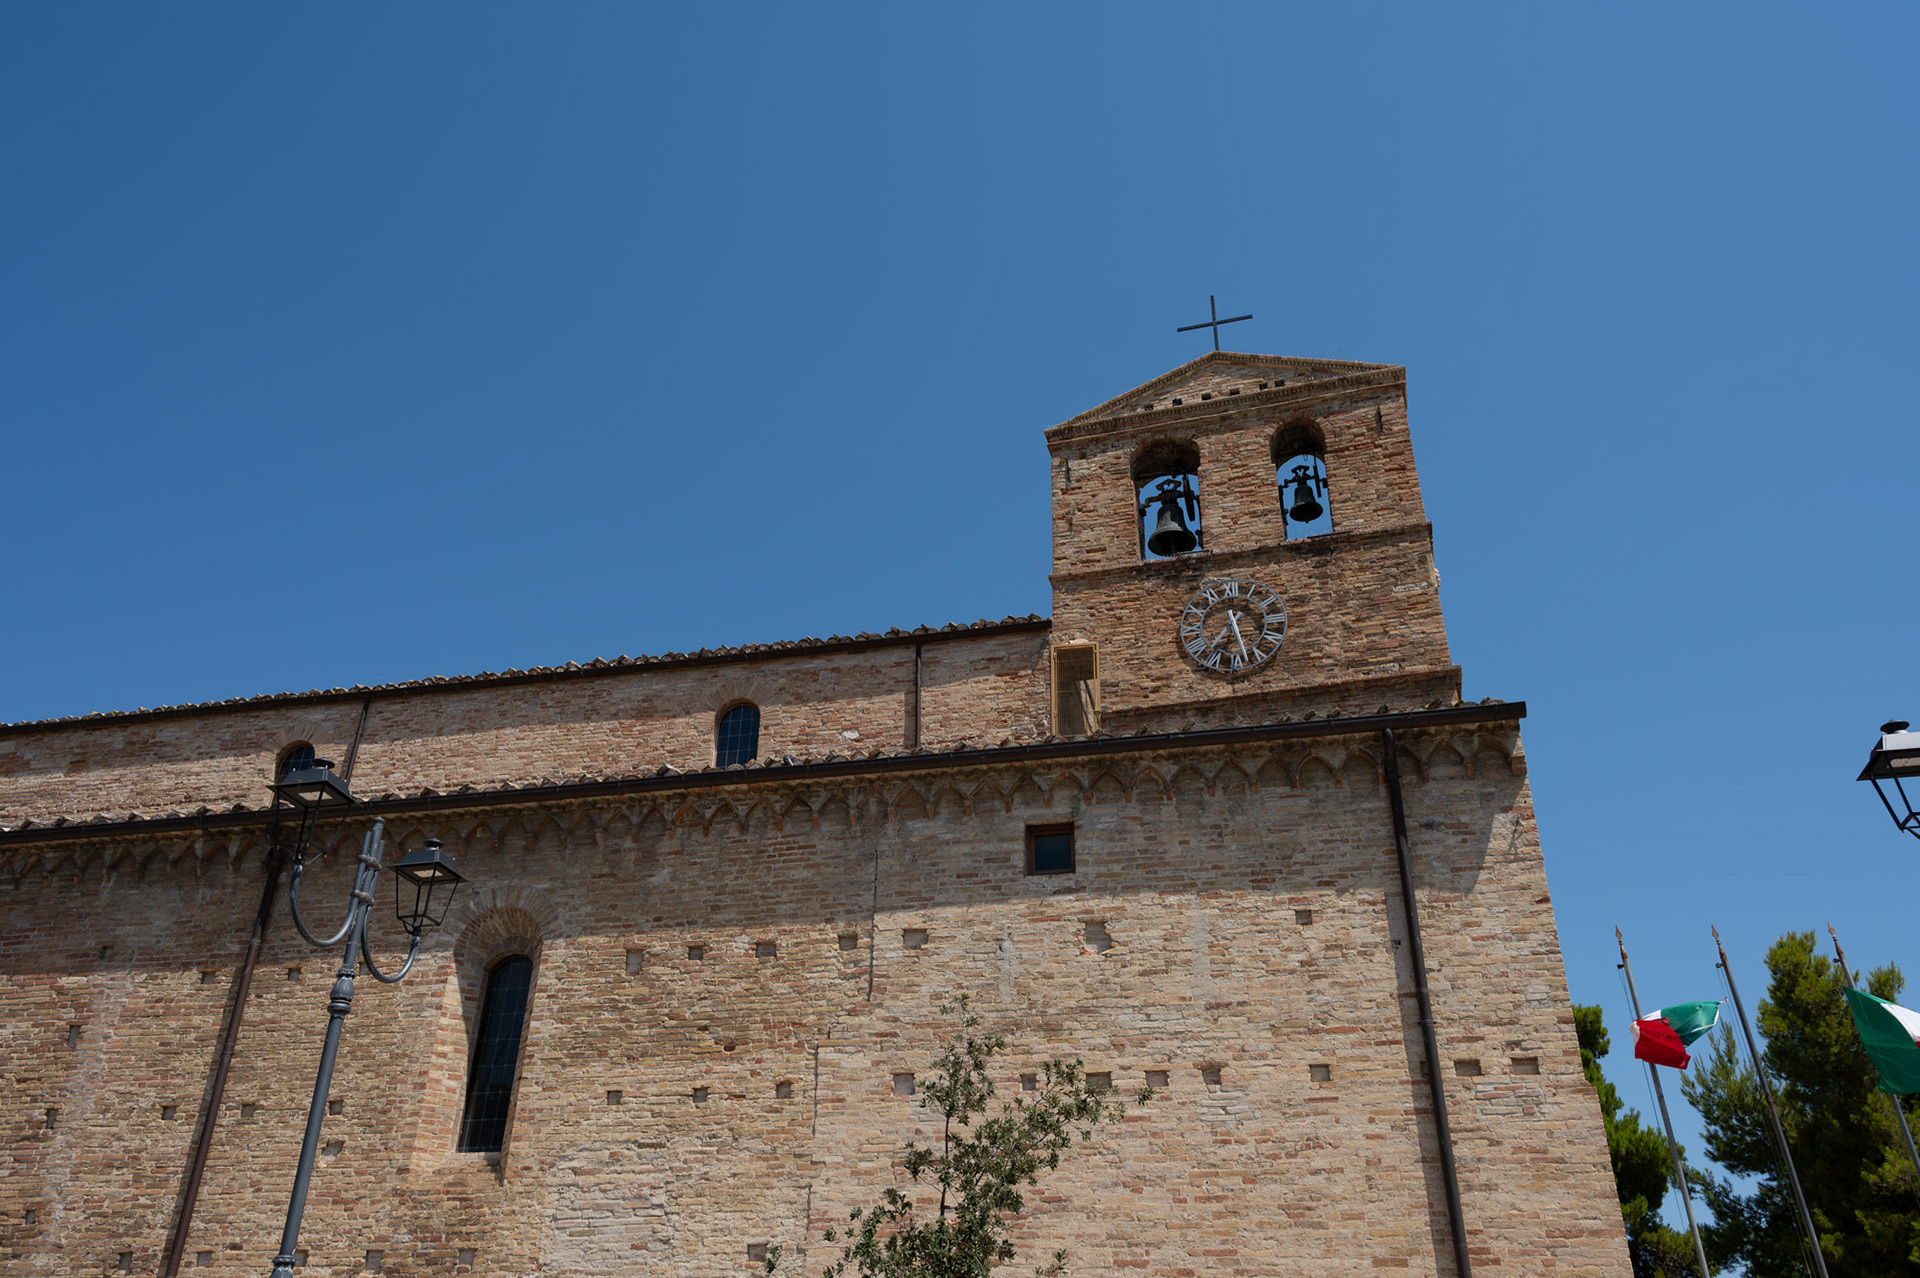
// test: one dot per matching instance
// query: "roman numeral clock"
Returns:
(1233, 626)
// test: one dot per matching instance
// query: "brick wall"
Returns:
(1194, 862)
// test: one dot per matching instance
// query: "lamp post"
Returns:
(313, 790)
(1895, 759)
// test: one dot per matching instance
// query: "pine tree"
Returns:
(1642, 1164)
(1859, 1183)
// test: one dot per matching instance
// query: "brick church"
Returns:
(713, 902)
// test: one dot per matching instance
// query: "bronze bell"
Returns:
(1306, 507)
(1171, 536)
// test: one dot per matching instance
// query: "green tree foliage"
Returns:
(1853, 1165)
(1642, 1165)
(981, 1168)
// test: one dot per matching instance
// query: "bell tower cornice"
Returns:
(1218, 384)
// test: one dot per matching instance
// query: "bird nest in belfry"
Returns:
(1164, 456)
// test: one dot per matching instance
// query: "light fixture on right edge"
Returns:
(1896, 759)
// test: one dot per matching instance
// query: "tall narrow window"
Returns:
(496, 1051)
(738, 738)
(292, 759)
(1076, 690)
(1166, 482)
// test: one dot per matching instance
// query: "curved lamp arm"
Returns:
(366, 952)
(293, 901)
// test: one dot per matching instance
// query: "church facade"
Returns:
(715, 901)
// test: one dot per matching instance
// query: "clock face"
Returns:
(1233, 626)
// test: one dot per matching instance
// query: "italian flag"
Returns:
(1891, 1034)
(1663, 1038)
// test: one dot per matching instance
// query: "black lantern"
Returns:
(312, 787)
(430, 869)
(1895, 758)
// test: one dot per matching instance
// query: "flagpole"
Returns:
(1673, 1146)
(1899, 1110)
(1766, 1090)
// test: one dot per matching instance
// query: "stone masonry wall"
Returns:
(631, 721)
(1252, 906)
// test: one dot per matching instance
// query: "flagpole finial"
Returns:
(1716, 933)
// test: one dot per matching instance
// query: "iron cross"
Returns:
(1213, 323)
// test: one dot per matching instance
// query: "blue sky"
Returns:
(365, 344)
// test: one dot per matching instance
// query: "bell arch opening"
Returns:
(1300, 473)
(1166, 485)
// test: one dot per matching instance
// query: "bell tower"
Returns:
(1243, 539)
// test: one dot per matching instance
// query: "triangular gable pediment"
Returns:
(1223, 374)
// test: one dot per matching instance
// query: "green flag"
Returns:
(1891, 1035)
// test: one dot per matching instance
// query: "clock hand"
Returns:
(1233, 619)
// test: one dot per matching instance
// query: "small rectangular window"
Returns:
(1050, 849)
(1029, 1082)
(1157, 1078)
(1467, 1069)
(1076, 690)
(1526, 1064)
(1303, 917)
(635, 959)
(1320, 1073)
(696, 952)
(903, 1084)
(914, 938)
(766, 949)
(1100, 1082)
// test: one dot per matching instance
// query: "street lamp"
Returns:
(1896, 758)
(430, 872)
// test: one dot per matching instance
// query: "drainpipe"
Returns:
(915, 743)
(203, 1140)
(1417, 957)
(230, 1038)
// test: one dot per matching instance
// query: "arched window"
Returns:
(737, 738)
(295, 757)
(496, 1051)
(1300, 470)
(1166, 482)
